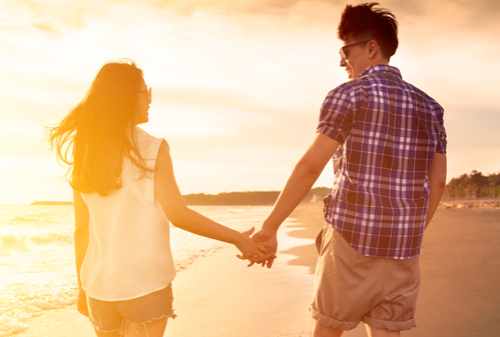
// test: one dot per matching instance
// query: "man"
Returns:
(392, 176)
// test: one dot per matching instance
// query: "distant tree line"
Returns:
(474, 186)
(248, 198)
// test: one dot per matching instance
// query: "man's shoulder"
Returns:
(431, 102)
(350, 88)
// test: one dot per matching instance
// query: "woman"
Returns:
(124, 191)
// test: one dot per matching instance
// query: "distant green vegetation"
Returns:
(468, 186)
(473, 186)
(248, 198)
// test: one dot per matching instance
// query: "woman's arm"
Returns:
(168, 195)
(81, 239)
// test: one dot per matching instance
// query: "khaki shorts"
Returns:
(350, 287)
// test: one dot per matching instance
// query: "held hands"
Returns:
(260, 248)
(267, 239)
(249, 248)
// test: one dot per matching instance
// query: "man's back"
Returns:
(391, 131)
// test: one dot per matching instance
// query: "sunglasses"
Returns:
(344, 50)
(148, 91)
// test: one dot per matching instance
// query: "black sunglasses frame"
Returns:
(344, 50)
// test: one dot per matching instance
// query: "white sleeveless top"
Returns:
(129, 254)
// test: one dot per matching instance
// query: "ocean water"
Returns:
(37, 270)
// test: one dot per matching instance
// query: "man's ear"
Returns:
(373, 49)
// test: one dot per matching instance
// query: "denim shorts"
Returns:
(112, 316)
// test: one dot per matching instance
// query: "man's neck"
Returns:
(377, 63)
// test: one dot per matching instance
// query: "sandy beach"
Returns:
(460, 267)
(219, 296)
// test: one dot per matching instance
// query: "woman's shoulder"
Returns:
(145, 136)
(148, 143)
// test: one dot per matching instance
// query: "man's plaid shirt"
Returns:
(390, 131)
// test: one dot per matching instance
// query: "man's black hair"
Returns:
(365, 21)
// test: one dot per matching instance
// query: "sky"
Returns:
(237, 85)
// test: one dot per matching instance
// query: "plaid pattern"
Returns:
(390, 131)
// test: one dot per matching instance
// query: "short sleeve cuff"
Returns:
(336, 134)
(441, 142)
(441, 148)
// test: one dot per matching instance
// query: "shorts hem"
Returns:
(331, 322)
(98, 328)
(390, 325)
(157, 318)
(125, 321)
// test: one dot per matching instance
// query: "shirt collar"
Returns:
(382, 68)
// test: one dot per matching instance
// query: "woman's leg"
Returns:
(153, 328)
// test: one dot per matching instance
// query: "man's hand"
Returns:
(268, 240)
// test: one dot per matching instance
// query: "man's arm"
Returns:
(305, 173)
(437, 179)
(81, 239)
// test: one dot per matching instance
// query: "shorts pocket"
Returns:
(323, 239)
(319, 240)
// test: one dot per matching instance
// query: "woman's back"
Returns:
(129, 247)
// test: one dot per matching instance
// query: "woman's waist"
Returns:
(142, 262)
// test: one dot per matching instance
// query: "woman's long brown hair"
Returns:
(96, 135)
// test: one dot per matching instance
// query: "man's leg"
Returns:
(321, 331)
(373, 332)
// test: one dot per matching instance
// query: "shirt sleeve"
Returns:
(439, 131)
(336, 115)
